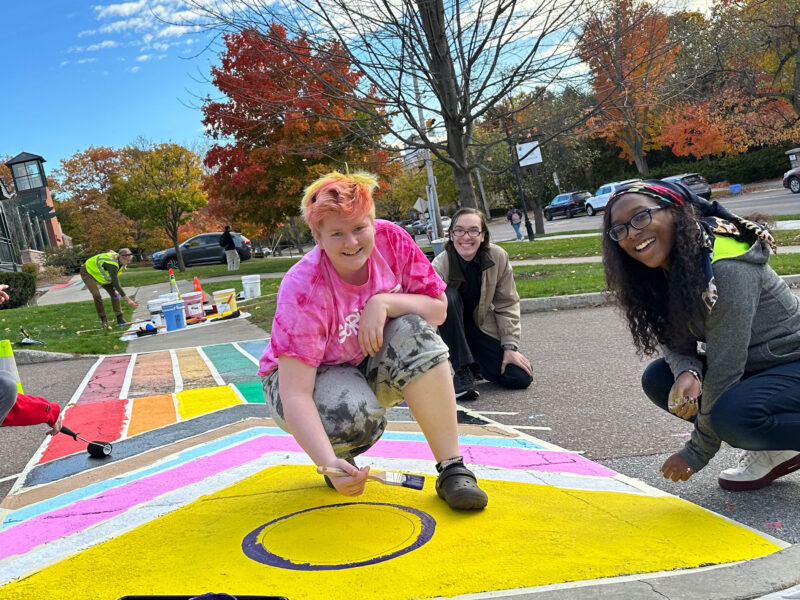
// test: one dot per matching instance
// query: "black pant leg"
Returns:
(452, 330)
(489, 354)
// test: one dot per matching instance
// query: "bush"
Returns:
(21, 288)
(70, 259)
(51, 273)
(755, 165)
(32, 268)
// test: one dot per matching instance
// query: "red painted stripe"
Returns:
(106, 382)
(95, 421)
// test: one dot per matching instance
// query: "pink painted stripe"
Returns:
(71, 519)
(106, 381)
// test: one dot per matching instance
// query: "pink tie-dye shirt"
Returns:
(316, 320)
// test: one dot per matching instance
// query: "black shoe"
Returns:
(458, 486)
(121, 321)
(476, 371)
(464, 384)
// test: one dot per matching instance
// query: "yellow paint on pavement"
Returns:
(192, 403)
(529, 535)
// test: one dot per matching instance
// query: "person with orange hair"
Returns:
(354, 334)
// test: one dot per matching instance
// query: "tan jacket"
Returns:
(497, 313)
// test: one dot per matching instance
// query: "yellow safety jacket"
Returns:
(96, 266)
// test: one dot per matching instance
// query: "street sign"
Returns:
(529, 154)
(421, 206)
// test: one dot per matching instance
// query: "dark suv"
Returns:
(569, 205)
(203, 249)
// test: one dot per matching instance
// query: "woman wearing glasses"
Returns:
(482, 327)
(693, 281)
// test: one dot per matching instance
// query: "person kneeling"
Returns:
(482, 328)
(354, 334)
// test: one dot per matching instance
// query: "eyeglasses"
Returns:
(638, 221)
(470, 232)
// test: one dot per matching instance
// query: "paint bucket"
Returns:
(174, 317)
(193, 305)
(251, 285)
(171, 297)
(225, 301)
(156, 314)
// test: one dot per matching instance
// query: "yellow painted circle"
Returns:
(340, 536)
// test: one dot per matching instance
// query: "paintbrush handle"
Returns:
(337, 472)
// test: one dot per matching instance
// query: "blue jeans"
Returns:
(761, 412)
(516, 230)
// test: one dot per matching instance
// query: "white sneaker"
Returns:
(757, 469)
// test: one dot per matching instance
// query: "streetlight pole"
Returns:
(514, 161)
(433, 198)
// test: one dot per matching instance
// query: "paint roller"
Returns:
(96, 449)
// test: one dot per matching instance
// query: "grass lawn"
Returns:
(147, 275)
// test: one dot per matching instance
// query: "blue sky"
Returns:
(80, 74)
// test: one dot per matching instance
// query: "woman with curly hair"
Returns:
(354, 334)
(693, 281)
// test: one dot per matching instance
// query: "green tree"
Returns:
(160, 186)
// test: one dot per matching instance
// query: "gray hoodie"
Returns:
(754, 325)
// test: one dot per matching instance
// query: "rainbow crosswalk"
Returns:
(203, 493)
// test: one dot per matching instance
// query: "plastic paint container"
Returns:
(156, 314)
(174, 316)
(251, 284)
(171, 297)
(193, 305)
(225, 301)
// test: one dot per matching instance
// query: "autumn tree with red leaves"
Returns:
(279, 127)
(630, 55)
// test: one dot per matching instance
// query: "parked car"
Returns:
(791, 180)
(569, 205)
(598, 202)
(694, 181)
(445, 228)
(416, 227)
(203, 249)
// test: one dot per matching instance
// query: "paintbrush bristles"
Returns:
(415, 482)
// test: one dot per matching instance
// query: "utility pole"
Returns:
(515, 162)
(433, 198)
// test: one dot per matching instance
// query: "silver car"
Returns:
(694, 181)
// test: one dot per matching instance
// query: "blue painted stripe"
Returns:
(254, 348)
(475, 440)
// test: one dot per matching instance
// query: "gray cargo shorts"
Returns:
(352, 401)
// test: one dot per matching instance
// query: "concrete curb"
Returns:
(32, 357)
(742, 581)
(532, 305)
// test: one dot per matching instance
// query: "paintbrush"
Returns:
(414, 482)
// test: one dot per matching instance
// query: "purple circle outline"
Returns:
(255, 551)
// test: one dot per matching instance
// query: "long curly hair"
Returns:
(660, 305)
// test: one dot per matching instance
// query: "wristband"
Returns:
(513, 347)
(696, 375)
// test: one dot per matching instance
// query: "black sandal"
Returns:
(458, 486)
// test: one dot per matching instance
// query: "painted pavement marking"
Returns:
(245, 353)
(176, 371)
(211, 368)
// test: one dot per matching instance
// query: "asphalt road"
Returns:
(773, 200)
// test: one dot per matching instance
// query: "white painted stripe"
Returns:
(236, 391)
(38, 454)
(532, 427)
(516, 432)
(211, 368)
(176, 371)
(126, 381)
(9, 477)
(178, 416)
(252, 358)
(495, 412)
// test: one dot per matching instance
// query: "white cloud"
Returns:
(86, 60)
(101, 46)
(64, 62)
(126, 9)
(144, 57)
(134, 69)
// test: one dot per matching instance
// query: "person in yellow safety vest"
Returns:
(103, 270)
